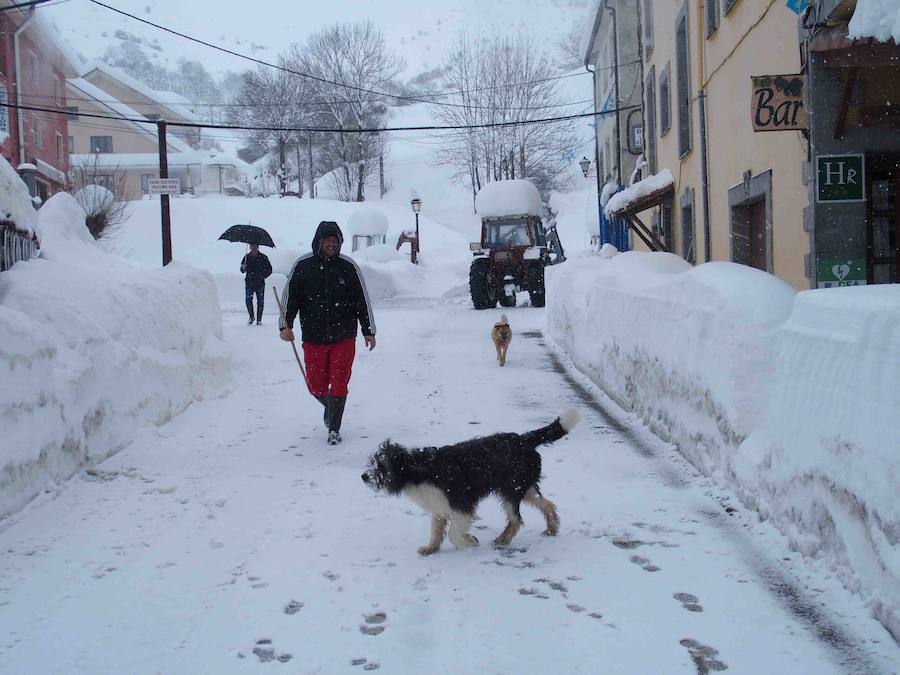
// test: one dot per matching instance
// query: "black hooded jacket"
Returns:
(328, 295)
(257, 268)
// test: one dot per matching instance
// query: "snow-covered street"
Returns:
(233, 538)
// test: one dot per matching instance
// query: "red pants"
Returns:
(328, 367)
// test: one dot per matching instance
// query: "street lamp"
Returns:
(585, 165)
(416, 207)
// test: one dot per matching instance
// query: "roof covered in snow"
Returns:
(879, 19)
(366, 220)
(162, 99)
(643, 188)
(508, 198)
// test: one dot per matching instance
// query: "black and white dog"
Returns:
(450, 481)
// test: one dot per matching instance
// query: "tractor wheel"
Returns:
(484, 295)
(536, 285)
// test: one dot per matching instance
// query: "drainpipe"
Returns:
(615, 29)
(19, 115)
(704, 172)
(596, 146)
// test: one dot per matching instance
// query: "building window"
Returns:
(34, 67)
(729, 4)
(665, 98)
(712, 17)
(666, 228)
(71, 145)
(648, 28)
(145, 182)
(4, 111)
(688, 251)
(37, 135)
(60, 149)
(650, 120)
(56, 90)
(683, 86)
(101, 144)
(72, 112)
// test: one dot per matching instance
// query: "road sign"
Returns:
(840, 178)
(164, 186)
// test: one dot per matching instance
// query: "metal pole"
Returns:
(164, 198)
(417, 238)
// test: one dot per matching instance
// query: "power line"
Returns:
(374, 130)
(22, 5)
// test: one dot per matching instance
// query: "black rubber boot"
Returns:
(335, 413)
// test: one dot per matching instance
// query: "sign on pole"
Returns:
(164, 186)
(840, 178)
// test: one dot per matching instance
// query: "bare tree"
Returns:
(501, 80)
(350, 63)
(279, 102)
(103, 193)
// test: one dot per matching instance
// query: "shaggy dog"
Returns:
(501, 334)
(450, 481)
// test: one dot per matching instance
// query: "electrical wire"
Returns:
(373, 130)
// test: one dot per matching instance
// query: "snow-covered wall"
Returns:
(91, 349)
(15, 202)
(791, 400)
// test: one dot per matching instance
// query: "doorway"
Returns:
(883, 219)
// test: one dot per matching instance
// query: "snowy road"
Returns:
(233, 539)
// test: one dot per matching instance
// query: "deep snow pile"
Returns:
(789, 399)
(198, 222)
(93, 349)
(15, 202)
(879, 19)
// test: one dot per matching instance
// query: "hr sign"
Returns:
(840, 178)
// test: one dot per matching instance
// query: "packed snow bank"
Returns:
(508, 198)
(15, 202)
(366, 221)
(789, 399)
(93, 349)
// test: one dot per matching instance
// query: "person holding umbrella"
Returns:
(255, 265)
(256, 268)
(326, 291)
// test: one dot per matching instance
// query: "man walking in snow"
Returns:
(326, 291)
(257, 268)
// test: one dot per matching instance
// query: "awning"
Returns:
(631, 207)
(836, 50)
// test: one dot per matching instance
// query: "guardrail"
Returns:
(16, 245)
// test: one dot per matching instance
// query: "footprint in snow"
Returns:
(704, 657)
(293, 607)
(373, 626)
(690, 602)
(644, 563)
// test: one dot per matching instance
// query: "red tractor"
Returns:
(514, 248)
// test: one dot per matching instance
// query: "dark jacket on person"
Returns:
(257, 267)
(328, 295)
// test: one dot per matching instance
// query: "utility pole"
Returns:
(312, 182)
(164, 198)
(381, 176)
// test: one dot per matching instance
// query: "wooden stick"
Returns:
(293, 346)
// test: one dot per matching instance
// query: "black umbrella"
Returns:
(248, 234)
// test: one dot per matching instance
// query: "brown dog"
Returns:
(501, 334)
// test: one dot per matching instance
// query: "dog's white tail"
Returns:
(569, 418)
(503, 320)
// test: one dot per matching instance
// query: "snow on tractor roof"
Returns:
(508, 198)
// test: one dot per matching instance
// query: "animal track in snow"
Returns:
(690, 602)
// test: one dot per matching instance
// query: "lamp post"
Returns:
(585, 165)
(416, 207)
